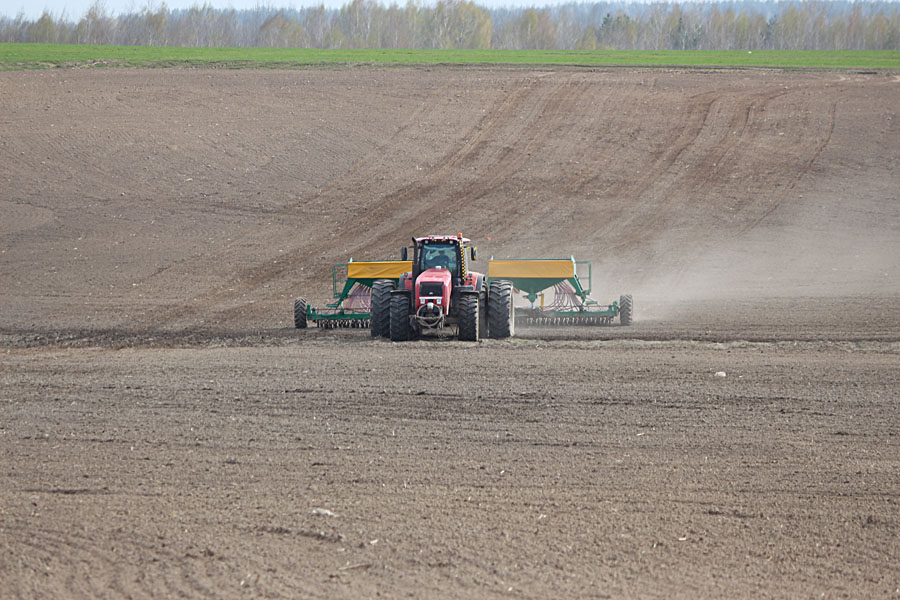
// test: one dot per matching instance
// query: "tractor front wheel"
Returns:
(400, 331)
(300, 313)
(501, 310)
(468, 317)
(380, 318)
(626, 307)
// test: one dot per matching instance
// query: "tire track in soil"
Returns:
(802, 172)
(100, 565)
(742, 115)
(643, 218)
(694, 182)
(505, 141)
(517, 132)
(581, 204)
(409, 208)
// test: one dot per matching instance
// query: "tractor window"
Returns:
(439, 255)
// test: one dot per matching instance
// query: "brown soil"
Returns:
(165, 432)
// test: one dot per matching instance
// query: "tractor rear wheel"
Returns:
(626, 306)
(468, 317)
(483, 312)
(399, 319)
(300, 313)
(501, 311)
(380, 318)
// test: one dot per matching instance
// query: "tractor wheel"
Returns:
(399, 319)
(501, 311)
(300, 313)
(468, 317)
(626, 306)
(380, 320)
(483, 312)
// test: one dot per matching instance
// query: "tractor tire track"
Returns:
(100, 566)
(798, 175)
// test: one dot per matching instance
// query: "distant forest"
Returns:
(459, 24)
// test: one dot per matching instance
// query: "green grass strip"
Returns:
(43, 56)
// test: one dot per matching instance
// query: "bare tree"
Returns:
(749, 24)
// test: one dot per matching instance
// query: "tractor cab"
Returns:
(441, 252)
(439, 255)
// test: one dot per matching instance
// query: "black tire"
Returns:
(380, 317)
(400, 331)
(626, 308)
(501, 311)
(300, 313)
(483, 312)
(468, 317)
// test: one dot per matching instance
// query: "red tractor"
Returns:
(441, 292)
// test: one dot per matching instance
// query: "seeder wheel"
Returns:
(626, 306)
(300, 313)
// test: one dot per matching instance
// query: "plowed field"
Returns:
(165, 432)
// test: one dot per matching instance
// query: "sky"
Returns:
(75, 9)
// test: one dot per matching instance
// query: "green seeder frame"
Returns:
(533, 277)
(360, 273)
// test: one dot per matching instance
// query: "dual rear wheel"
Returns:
(501, 311)
(399, 327)
(492, 313)
(468, 317)
(380, 318)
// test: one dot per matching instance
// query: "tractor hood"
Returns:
(433, 285)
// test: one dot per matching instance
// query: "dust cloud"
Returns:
(799, 260)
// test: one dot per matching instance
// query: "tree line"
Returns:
(461, 24)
